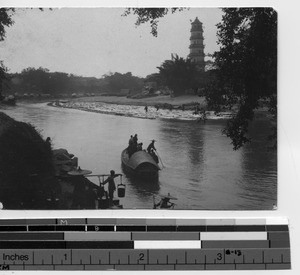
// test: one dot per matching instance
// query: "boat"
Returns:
(140, 164)
(165, 202)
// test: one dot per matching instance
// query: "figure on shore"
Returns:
(196, 112)
(111, 184)
(203, 115)
(146, 109)
(151, 146)
(48, 142)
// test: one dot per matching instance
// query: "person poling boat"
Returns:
(152, 151)
(164, 202)
(151, 146)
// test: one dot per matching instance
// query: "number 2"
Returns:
(141, 257)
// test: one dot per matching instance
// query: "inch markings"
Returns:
(144, 244)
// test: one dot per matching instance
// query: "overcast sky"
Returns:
(96, 41)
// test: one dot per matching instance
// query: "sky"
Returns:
(97, 41)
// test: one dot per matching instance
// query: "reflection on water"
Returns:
(200, 167)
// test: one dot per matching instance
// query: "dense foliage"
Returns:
(116, 82)
(26, 168)
(42, 81)
(178, 74)
(5, 21)
(246, 67)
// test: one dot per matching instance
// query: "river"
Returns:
(200, 167)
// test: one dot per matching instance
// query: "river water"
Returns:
(200, 167)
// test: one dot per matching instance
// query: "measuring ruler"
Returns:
(144, 244)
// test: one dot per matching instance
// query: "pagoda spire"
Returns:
(196, 44)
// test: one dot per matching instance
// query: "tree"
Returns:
(151, 15)
(117, 81)
(5, 21)
(246, 66)
(178, 74)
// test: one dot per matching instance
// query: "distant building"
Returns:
(196, 44)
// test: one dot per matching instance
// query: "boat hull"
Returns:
(140, 165)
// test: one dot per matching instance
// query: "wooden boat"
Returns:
(140, 164)
(165, 202)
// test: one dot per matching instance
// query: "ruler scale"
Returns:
(144, 244)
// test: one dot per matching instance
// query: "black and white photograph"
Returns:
(138, 108)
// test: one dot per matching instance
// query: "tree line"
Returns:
(41, 81)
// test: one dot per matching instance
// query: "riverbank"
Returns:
(150, 101)
(163, 107)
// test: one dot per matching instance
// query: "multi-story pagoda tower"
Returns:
(196, 44)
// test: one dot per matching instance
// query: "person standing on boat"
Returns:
(135, 139)
(130, 148)
(135, 143)
(151, 146)
(111, 184)
(140, 146)
(130, 142)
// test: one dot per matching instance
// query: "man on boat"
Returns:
(130, 148)
(140, 146)
(111, 184)
(135, 140)
(154, 155)
(134, 145)
(151, 146)
(165, 202)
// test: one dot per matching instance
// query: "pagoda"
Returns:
(196, 45)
